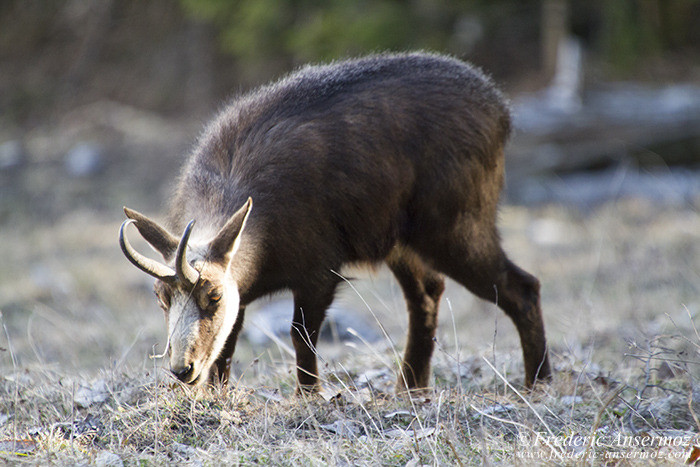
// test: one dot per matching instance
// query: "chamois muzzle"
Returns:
(183, 374)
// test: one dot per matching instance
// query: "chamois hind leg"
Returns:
(422, 288)
(476, 260)
(309, 312)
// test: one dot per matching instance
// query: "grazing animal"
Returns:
(395, 157)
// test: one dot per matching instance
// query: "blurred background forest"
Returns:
(183, 56)
(180, 59)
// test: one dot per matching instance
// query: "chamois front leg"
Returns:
(309, 312)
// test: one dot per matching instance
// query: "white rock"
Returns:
(88, 394)
(84, 159)
(12, 154)
(571, 400)
(108, 459)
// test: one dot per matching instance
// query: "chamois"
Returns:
(391, 157)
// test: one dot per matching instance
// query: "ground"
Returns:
(620, 294)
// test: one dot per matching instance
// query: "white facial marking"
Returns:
(183, 329)
(229, 308)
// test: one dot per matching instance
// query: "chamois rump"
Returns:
(392, 157)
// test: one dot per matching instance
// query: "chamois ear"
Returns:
(160, 239)
(227, 241)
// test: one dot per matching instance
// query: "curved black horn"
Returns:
(147, 265)
(185, 271)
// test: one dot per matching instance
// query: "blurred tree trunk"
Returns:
(554, 30)
(200, 66)
(96, 27)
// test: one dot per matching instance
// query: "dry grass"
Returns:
(621, 295)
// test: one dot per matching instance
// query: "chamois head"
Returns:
(195, 289)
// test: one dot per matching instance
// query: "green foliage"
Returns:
(304, 30)
(258, 33)
(635, 31)
(629, 34)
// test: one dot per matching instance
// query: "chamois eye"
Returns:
(214, 298)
